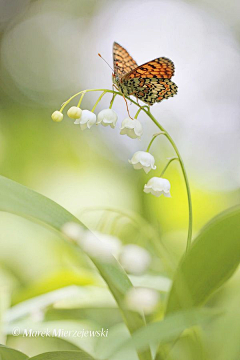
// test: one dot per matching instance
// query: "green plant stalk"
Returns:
(137, 113)
(167, 165)
(190, 219)
(150, 115)
(153, 138)
(98, 100)
(112, 101)
(80, 100)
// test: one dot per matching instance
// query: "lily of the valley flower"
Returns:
(74, 112)
(57, 116)
(73, 230)
(87, 120)
(107, 117)
(131, 128)
(95, 244)
(142, 299)
(134, 259)
(143, 160)
(158, 186)
(99, 245)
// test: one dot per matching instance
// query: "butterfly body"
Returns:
(149, 82)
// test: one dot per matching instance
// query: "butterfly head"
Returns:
(115, 79)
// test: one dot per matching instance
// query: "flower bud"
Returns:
(57, 116)
(74, 112)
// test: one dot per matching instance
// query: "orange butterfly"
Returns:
(149, 82)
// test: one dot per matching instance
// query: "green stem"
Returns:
(189, 236)
(137, 113)
(153, 138)
(68, 101)
(111, 103)
(80, 100)
(98, 100)
(168, 163)
(148, 112)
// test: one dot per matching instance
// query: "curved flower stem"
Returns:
(189, 237)
(98, 100)
(80, 100)
(111, 103)
(153, 138)
(68, 101)
(150, 115)
(137, 113)
(168, 163)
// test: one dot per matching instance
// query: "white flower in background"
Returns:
(87, 120)
(131, 128)
(37, 315)
(134, 259)
(100, 245)
(143, 160)
(107, 117)
(142, 299)
(158, 186)
(57, 116)
(73, 230)
(74, 112)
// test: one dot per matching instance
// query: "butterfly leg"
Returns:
(127, 107)
(114, 86)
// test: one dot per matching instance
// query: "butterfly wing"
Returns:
(151, 82)
(160, 68)
(123, 62)
(151, 90)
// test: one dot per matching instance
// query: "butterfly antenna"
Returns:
(105, 61)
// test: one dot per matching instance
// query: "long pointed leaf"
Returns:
(18, 199)
(212, 259)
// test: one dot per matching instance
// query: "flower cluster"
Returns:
(133, 258)
(107, 117)
(131, 127)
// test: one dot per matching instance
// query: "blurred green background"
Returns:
(48, 52)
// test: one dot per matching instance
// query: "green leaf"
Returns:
(210, 262)
(19, 200)
(162, 332)
(9, 354)
(104, 316)
(63, 355)
(228, 329)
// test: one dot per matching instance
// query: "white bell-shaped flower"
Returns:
(107, 117)
(73, 230)
(132, 128)
(57, 116)
(134, 259)
(142, 299)
(74, 112)
(143, 160)
(87, 120)
(100, 245)
(158, 186)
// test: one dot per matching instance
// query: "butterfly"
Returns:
(149, 82)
